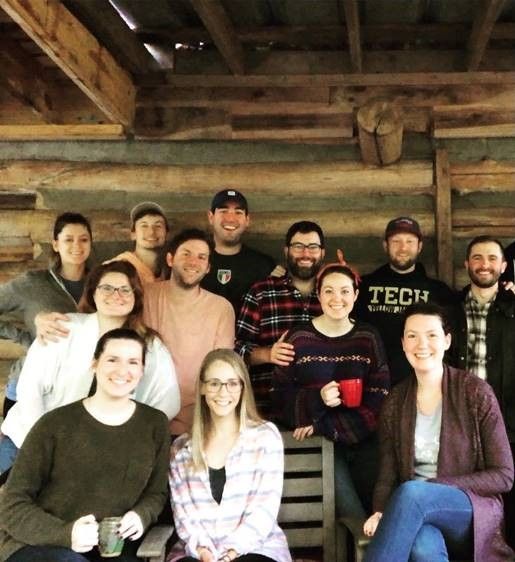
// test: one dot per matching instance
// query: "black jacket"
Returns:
(383, 297)
(500, 343)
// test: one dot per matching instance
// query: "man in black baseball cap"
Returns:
(235, 266)
(385, 293)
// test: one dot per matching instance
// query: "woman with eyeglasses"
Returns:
(58, 288)
(334, 352)
(103, 456)
(226, 476)
(59, 372)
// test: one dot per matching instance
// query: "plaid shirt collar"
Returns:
(477, 314)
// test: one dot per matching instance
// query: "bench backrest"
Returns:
(307, 513)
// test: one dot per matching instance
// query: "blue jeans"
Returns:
(8, 452)
(423, 522)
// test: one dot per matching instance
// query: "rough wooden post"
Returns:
(443, 219)
(380, 132)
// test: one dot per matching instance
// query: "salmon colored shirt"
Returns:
(145, 274)
(190, 328)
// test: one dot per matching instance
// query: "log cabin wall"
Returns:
(456, 188)
(104, 103)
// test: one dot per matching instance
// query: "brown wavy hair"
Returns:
(135, 318)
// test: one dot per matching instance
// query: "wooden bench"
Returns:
(307, 513)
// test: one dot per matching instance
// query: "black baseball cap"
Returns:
(403, 224)
(229, 195)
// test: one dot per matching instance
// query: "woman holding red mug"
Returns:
(335, 386)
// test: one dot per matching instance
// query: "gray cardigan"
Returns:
(474, 454)
(26, 296)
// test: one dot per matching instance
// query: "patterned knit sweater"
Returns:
(320, 359)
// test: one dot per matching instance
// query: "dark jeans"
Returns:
(355, 475)
(60, 554)
(8, 404)
(423, 522)
(245, 558)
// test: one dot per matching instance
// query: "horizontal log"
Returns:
(468, 183)
(113, 226)
(61, 132)
(16, 249)
(469, 232)
(268, 179)
(419, 95)
(255, 99)
(473, 124)
(493, 216)
(307, 80)
(182, 124)
(483, 167)
(292, 126)
(239, 100)
(17, 199)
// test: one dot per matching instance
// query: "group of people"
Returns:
(171, 330)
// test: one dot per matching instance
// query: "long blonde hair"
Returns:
(202, 422)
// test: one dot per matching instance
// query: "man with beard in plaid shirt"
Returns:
(274, 305)
(484, 337)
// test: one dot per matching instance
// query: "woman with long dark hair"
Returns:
(58, 288)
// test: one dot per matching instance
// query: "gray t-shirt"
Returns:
(427, 443)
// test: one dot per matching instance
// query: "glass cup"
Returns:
(110, 544)
(351, 391)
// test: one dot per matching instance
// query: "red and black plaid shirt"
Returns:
(269, 308)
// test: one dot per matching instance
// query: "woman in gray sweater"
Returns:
(57, 289)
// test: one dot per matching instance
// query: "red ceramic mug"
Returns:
(351, 391)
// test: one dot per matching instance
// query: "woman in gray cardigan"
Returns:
(445, 458)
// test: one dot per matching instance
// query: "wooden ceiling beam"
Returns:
(487, 13)
(21, 76)
(109, 27)
(329, 35)
(72, 47)
(353, 34)
(61, 132)
(332, 79)
(287, 63)
(217, 22)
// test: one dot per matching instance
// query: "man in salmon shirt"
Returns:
(190, 320)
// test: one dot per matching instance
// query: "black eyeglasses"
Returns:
(214, 385)
(300, 247)
(109, 290)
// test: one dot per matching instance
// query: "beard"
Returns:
(303, 272)
(183, 284)
(484, 283)
(404, 265)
